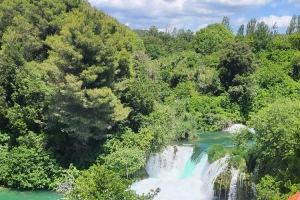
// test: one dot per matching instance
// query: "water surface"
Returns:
(10, 194)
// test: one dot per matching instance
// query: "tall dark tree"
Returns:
(226, 23)
(293, 25)
(298, 24)
(241, 30)
(251, 25)
(261, 36)
(236, 60)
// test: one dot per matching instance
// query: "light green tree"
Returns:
(211, 38)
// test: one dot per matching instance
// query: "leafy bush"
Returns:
(99, 183)
(28, 166)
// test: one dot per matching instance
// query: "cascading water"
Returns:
(179, 176)
(233, 183)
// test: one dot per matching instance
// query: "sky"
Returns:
(197, 14)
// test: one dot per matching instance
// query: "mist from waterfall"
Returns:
(180, 174)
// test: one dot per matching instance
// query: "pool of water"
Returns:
(10, 194)
(207, 139)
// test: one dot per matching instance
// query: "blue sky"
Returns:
(196, 14)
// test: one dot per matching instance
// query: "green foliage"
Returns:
(238, 162)
(211, 38)
(128, 139)
(76, 109)
(293, 25)
(242, 137)
(226, 23)
(29, 166)
(240, 32)
(294, 39)
(279, 42)
(215, 152)
(125, 161)
(178, 67)
(31, 98)
(277, 140)
(127, 153)
(100, 183)
(211, 113)
(268, 189)
(159, 44)
(237, 63)
(95, 89)
(66, 182)
(4, 139)
(236, 59)
(295, 67)
(208, 81)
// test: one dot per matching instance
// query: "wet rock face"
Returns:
(233, 185)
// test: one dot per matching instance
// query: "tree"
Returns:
(226, 23)
(294, 40)
(298, 24)
(262, 36)
(125, 161)
(236, 60)
(153, 31)
(99, 183)
(236, 66)
(93, 58)
(86, 113)
(211, 38)
(277, 138)
(241, 31)
(30, 165)
(250, 28)
(293, 25)
(295, 67)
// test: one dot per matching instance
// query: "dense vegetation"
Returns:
(77, 88)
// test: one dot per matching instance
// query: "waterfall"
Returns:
(211, 173)
(180, 177)
(170, 163)
(233, 182)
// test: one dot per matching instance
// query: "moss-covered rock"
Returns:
(215, 152)
(238, 162)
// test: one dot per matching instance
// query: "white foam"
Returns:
(166, 170)
(236, 127)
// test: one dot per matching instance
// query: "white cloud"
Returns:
(296, 2)
(240, 2)
(282, 21)
(239, 21)
(187, 14)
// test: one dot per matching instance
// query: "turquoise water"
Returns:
(9, 194)
(207, 139)
(202, 143)
(185, 173)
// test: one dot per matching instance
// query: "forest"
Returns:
(85, 100)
